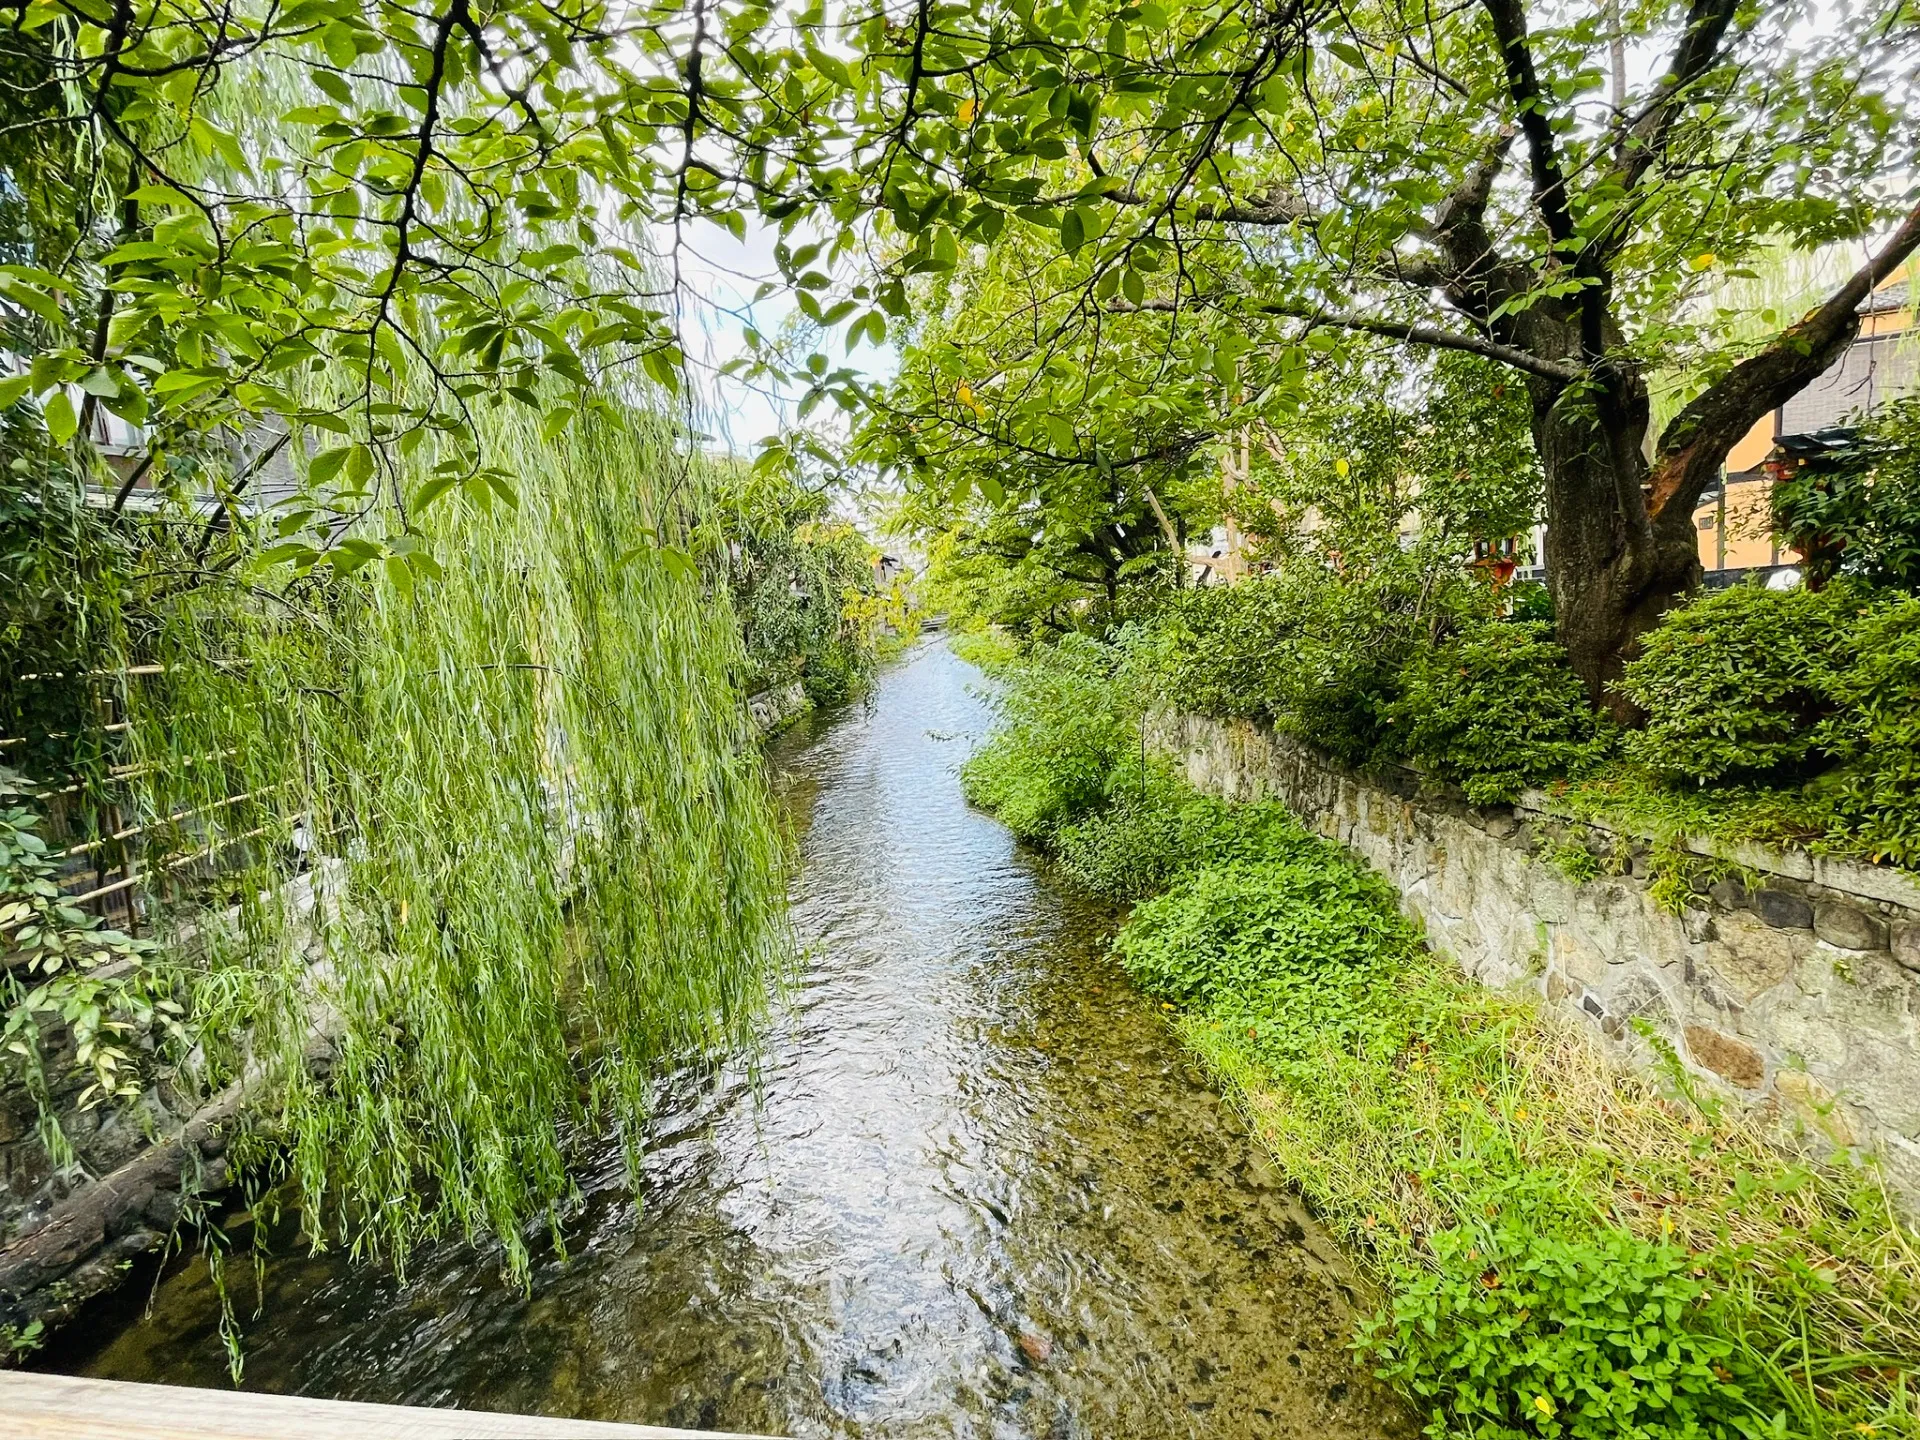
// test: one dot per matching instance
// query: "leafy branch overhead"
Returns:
(1172, 195)
(1106, 232)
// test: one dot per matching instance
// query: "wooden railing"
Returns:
(64, 1407)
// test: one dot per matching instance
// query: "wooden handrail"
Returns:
(66, 1407)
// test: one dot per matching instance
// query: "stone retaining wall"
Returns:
(1791, 980)
(776, 707)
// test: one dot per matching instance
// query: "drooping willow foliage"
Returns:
(441, 765)
(492, 845)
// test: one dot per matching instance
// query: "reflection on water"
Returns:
(975, 1190)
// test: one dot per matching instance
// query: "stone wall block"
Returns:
(1873, 992)
(1876, 1077)
(1732, 1060)
(1848, 926)
(1574, 953)
(1728, 892)
(1906, 944)
(1751, 958)
(1815, 1041)
(1637, 995)
(1783, 909)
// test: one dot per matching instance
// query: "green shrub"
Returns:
(1221, 646)
(1316, 652)
(1495, 710)
(1876, 730)
(1854, 508)
(1340, 677)
(1143, 839)
(1061, 735)
(838, 668)
(1600, 1337)
(1256, 927)
(1735, 684)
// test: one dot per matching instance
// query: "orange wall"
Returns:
(1749, 526)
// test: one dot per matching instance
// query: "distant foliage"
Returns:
(988, 649)
(803, 585)
(1495, 710)
(1735, 684)
(1855, 510)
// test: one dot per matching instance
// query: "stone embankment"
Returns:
(776, 707)
(1791, 980)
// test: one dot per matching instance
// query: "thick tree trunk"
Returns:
(1621, 545)
(1612, 571)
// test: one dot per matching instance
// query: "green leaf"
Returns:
(1073, 231)
(325, 465)
(62, 421)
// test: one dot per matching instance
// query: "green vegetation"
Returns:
(1855, 508)
(520, 789)
(803, 586)
(1735, 685)
(1494, 710)
(1779, 716)
(1558, 1249)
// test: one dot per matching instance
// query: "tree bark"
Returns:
(1621, 543)
(1610, 572)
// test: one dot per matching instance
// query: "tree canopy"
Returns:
(372, 217)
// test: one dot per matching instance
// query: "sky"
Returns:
(719, 276)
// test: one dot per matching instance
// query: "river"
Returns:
(971, 1187)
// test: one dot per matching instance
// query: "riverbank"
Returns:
(1566, 1249)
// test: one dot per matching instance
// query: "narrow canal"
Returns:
(973, 1189)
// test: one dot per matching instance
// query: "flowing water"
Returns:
(974, 1190)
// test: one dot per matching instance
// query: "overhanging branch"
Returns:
(1429, 335)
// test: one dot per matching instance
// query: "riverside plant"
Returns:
(1554, 1248)
(518, 784)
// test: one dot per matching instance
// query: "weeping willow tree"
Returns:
(439, 758)
(500, 832)
(466, 855)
